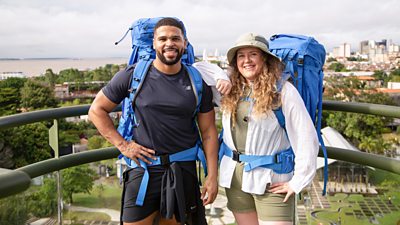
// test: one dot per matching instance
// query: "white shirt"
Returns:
(211, 73)
(266, 137)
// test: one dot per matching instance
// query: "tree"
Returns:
(37, 96)
(29, 143)
(70, 75)
(76, 180)
(337, 67)
(95, 142)
(381, 75)
(9, 101)
(43, 203)
(364, 131)
(10, 97)
(13, 210)
(51, 78)
(331, 59)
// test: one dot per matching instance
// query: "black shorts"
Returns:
(130, 212)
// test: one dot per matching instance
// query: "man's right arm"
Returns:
(98, 114)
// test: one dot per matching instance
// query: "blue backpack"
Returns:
(142, 56)
(304, 58)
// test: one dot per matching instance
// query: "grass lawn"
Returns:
(351, 205)
(105, 194)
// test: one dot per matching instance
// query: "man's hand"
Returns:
(223, 86)
(210, 191)
(135, 151)
(281, 188)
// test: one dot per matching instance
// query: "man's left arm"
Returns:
(209, 136)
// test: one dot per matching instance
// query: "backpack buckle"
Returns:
(164, 159)
(277, 158)
(300, 61)
(236, 156)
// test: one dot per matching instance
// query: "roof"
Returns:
(332, 138)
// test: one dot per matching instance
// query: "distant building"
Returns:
(5, 75)
(393, 85)
(343, 51)
(380, 51)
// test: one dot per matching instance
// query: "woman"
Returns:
(260, 187)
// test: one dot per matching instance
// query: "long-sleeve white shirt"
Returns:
(211, 73)
(266, 137)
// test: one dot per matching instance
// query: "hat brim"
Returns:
(232, 51)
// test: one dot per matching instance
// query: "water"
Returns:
(36, 67)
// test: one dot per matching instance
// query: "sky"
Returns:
(89, 28)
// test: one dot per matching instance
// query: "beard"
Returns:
(173, 61)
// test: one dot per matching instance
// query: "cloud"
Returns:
(89, 28)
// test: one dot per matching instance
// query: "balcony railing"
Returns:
(18, 180)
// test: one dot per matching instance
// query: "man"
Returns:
(164, 110)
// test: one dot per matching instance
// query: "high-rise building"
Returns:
(342, 51)
(364, 47)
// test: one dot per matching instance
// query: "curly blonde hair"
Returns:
(264, 94)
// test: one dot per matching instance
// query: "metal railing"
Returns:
(16, 181)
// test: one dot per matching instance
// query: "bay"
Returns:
(36, 67)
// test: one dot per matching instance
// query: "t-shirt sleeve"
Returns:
(206, 99)
(117, 89)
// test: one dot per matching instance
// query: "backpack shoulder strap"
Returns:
(128, 120)
(197, 84)
(278, 112)
(138, 76)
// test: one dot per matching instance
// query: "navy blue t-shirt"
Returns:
(164, 108)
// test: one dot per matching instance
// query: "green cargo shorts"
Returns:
(269, 206)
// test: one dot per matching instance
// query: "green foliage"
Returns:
(13, 210)
(384, 179)
(70, 75)
(36, 96)
(96, 142)
(43, 203)
(337, 67)
(381, 75)
(9, 101)
(394, 75)
(395, 72)
(10, 95)
(342, 88)
(76, 180)
(50, 77)
(331, 59)
(13, 82)
(107, 195)
(28, 142)
(364, 131)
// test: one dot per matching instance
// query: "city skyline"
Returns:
(88, 29)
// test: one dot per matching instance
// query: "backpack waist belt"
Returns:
(182, 156)
(282, 162)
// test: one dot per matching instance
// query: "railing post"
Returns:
(53, 142)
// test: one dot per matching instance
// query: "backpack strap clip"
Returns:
(164, 160)
(236, 156)
(300, 61)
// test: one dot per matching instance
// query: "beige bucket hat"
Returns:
(249, 40)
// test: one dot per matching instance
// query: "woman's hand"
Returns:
(223, 86)
(281, 188)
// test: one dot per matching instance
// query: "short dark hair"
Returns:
(169, 21)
